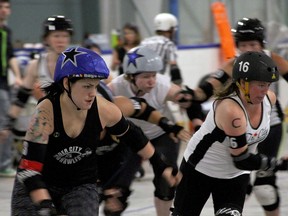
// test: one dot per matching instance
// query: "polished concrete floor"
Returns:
(141, 200)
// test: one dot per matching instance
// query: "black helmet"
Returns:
(56, 23)
(255, 66)
(248, 29)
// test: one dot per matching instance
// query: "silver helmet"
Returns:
(142, 59)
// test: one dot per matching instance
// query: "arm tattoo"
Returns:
(234, 123)
(40, 126)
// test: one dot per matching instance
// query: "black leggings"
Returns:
(195, 188)
(170, 150)
(80, 200)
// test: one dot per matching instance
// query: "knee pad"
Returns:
(162, 189)
(229, 209)
(267, 196)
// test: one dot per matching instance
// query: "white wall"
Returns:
(194, 63)
(197, 62)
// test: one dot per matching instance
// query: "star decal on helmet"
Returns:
(132, 57)
(71, 56)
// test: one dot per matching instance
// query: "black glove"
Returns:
(187, 91)
(169, 127)
(159, 164)
(46, 208)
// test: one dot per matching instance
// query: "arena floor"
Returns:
(141, 200)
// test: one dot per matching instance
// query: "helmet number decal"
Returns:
(244, 66)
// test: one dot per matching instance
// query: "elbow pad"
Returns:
(31, 164)
(175, 74)
(130, 134)
(221, 76)
(137, 106)
(134, 138)
(248, 161)
(22, 97)
(207, 88)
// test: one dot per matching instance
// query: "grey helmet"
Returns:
(142, 59)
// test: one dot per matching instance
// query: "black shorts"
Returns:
(195, 188)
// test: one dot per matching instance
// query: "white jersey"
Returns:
(156, 98)
(208, 149)
(44, 75)
(164, 47)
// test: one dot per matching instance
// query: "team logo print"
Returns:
(71, 56)
(72, 155)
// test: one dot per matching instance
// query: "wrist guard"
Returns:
(22, 97)
(169, 127)
(137, 107)
(248, 161)
(159, 164)
(175, 74)
(46, 208)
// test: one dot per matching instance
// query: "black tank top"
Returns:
(72, 161)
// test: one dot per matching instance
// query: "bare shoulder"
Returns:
(41, 123)
(230, 117)
(109, 113)
(272, 97)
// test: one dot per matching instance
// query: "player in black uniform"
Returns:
(58, 170)
(115, 177)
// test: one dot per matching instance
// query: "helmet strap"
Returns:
(245, 91)
(69, 94)
(133, 82)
